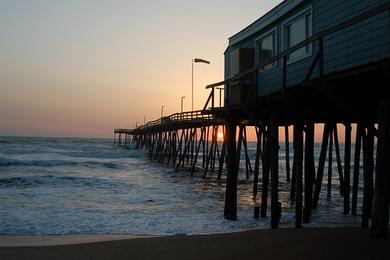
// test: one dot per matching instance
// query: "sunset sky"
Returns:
(81, 67)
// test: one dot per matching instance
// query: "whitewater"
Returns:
(67, 186)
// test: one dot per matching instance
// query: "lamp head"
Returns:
(197, 60)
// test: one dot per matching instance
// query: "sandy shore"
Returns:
(27, 241)
(323, 243)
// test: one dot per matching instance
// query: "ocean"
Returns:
(63, 186)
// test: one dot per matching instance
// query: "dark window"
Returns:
(296, 32)
(267, 50)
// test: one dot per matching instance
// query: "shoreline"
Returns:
(60, 240)
(20, 240)
(309, 243)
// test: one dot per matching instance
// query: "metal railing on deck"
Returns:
(319, 58)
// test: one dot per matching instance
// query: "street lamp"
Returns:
(196, 60)
(182, 99)
(162, 111)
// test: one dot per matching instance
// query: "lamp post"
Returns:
(162, 111)
(182, 99)
(196, 60)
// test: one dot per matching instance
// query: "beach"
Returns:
(320, 243)
(134, 209)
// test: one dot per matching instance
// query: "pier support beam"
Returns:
(275, 205)
(265, 171)
(338, 157)
(287, 144)
(298, 136)
(248, 166)
(257, 161)
(368, 175)
(321, 166)
(330, 163)
(223, 155)
(232, 171)
(356, 168)
(380, 218)
(347, 168)
(293, 173)
(309, 171)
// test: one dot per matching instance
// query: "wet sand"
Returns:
(57, 240)
(322, 243)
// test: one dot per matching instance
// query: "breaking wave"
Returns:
(4, 162)
(51, 180)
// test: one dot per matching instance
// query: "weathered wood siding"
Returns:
(360, 44)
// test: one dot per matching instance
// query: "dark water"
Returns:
(88, 186)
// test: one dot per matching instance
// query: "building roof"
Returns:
(265, 20)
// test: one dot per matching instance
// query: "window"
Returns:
(267, 49)
(297, 30)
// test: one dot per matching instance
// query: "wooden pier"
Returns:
(124, 136)
(352, 96)
(180, 139)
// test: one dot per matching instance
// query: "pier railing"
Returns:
(177, 118)
(122, 131)
(318, 58)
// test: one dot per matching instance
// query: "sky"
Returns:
(81, 68)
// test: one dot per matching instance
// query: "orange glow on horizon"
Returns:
(220, 136)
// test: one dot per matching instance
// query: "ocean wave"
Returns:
(51, 180)
(4, 162)
(111, 154)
